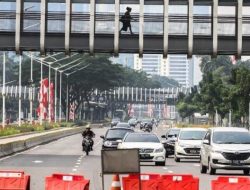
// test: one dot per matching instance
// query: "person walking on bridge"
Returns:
(126, 19)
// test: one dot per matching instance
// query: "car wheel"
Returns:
(246, 171)
(203, 169)
(166, 155)
(160, 163)
(177, 159)
(211, 170)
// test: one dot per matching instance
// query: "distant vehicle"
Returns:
(146, 122)
(171, 138)
(113, 135)
(123, 125)
(188, 143)
(132, 122)
(115, 121)
(150, 147)
(225, 148)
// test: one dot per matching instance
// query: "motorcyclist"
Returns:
(89, 133)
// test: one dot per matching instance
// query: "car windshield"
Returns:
(116, 119)
(173, 132)
(232, 137)
(142, 138)
(192, 135)
(117, 134)
(146, 120)
(124, 125)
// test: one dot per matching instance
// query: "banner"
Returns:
(43, 99)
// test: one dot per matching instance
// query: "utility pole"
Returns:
(67, 100)
(55, 95)
(41, 79)
(20, 90)
(3, 91)
(60, 101)
(31, 88)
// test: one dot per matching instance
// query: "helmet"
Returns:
(88, 127)
(129, 8)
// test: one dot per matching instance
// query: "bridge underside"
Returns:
(104, 43)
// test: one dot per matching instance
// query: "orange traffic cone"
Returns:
(116, 185)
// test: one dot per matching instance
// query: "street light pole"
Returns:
(67, 100)
(31, 88)
(20, 90)
(41, 79)
(3, 91)
(55, 95)
(60, 103)
(49, 94)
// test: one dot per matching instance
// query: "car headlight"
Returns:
(216, 151)
(108, 143)
(182, 145)
(159, 150)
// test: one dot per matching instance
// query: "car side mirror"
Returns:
(206, 142)
(102, 136)
(163, 136)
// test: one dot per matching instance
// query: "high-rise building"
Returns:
(153, 64)
(181, 69)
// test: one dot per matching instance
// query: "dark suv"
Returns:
(113, 135)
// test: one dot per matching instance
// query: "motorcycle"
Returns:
(86, 144)
(147, 128)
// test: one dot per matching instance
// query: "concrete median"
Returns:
(21, 145)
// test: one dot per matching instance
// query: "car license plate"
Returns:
(194, 151)
(144, 156)
(236, 162)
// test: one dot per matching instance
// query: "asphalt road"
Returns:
(65, 156)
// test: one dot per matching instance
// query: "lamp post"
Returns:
(3, 91)
(20, 91)
(60, 99)
(31, 88)
(55, 95)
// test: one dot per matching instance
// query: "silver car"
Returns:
(225, 148)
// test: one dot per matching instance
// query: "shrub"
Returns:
(8, 130)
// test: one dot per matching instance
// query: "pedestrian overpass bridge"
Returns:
(201, 27)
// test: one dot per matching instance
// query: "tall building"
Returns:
(153, 64)
(181, 69)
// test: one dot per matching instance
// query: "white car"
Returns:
(188, 143)
(225, 148)
(149, 145)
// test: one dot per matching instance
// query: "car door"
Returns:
(205, 148)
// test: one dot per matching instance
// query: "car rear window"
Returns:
(192, 135)
(231, 137)
(142, 138)
(125, 125)
(117, 134)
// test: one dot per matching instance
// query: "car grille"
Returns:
(146, 150)
(192, 150)
(236, 155)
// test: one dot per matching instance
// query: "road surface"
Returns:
(65, 156)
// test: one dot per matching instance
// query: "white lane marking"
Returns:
(78, 163)
(170, 171)
(165, 168)
(197, 165)
(37, 161)
(77, 166)
(74, 170)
